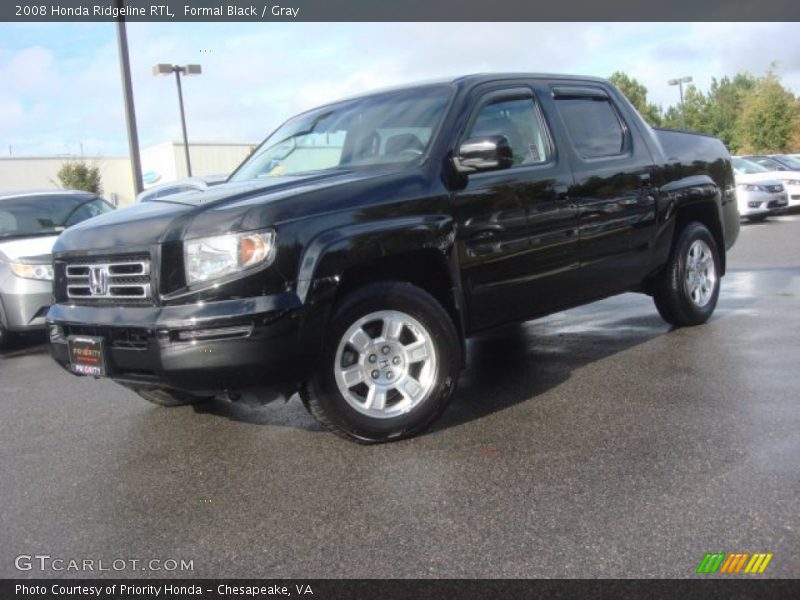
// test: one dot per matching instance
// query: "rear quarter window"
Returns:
(593, 125)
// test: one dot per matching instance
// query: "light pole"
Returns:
(166, 69)
(679, 82)
(127, 92)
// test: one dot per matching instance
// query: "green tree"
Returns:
(77, 175)
(725, 99)
(769, 117)
(636, 93)
(696, 106)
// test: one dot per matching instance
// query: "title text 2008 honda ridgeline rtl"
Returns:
(351, 255)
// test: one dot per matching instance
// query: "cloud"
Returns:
(62, 83)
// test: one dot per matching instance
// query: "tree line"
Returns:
(750, 114)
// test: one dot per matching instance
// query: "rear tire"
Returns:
(687, 290)
(388, 367)
(168, 397)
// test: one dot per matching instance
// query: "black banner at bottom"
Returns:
(395, 589)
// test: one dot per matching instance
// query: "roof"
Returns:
(474, 79)
(460, 81)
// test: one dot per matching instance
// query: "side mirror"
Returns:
(486, 153)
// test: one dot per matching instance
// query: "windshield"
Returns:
(747, 167)
(390, 128)
(46, 214)
(790, 162)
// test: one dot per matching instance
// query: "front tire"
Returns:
(388, 367)
(687, 290)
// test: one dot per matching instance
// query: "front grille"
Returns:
(108, 280)
(132, 338)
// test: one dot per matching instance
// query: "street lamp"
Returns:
(166, 69)
(679, 82)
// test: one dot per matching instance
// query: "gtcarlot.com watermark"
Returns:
(45, 562)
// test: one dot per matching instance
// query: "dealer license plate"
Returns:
(87, 356)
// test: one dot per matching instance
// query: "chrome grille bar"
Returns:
(118, 280)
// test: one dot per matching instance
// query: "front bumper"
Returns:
(238, 344)
(761, 203)
(25, 303)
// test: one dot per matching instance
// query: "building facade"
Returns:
(160, 164)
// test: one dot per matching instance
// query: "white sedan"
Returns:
(782, 167)
(759, 192)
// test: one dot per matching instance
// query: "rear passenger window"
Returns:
(593, 125)
(521, 123)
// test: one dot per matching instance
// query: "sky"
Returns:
(61, 87)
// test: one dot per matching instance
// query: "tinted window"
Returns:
(593, 125)
(46, 214)
(522, 125)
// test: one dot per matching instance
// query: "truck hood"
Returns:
(237, 206)
(38, 248)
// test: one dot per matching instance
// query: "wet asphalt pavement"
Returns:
(593, 443)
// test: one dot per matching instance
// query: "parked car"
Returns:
(781, 169)
(179, 186)
(30, 222)
(352, 254)
(758, 192)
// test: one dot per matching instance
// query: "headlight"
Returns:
(214, 257)
(41, 272)
(791, 181)
(750, 187)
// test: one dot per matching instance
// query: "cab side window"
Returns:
(520, 121)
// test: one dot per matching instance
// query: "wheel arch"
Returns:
(415, 250)
(707, 213)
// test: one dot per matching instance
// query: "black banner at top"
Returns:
(398, 10)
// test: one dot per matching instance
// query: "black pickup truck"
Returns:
(350, 256)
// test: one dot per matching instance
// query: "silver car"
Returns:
(30, 222)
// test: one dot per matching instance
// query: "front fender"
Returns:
(332, 252)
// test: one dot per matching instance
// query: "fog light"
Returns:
(215, 333)
(56, 333)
